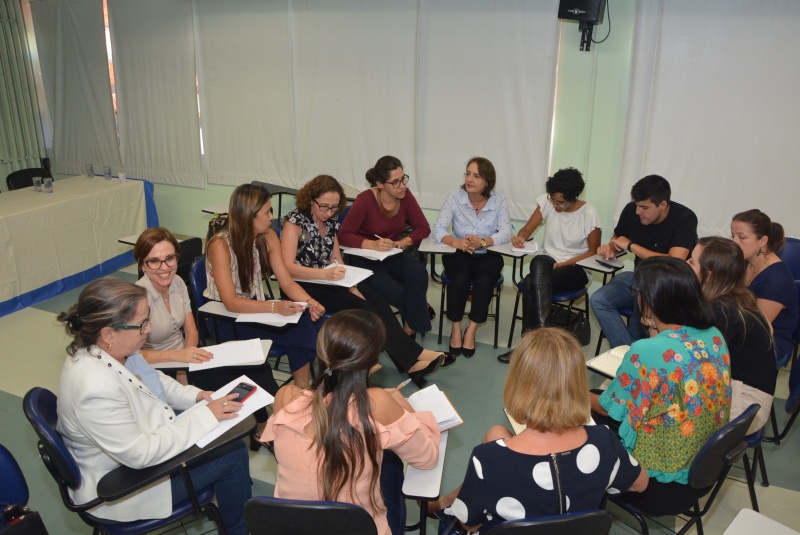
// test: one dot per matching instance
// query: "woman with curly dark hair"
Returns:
(340, 439)
(311, 251)
(572, 233)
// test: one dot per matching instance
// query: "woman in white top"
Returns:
(572, 233)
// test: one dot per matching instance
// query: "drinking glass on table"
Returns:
(107, 172)
(37, 183)
(48, 184)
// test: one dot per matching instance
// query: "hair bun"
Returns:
(75, 322)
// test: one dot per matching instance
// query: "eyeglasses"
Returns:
(396, 183)
(557, 204)
(326, 208)
(125, 327)
(155, 263)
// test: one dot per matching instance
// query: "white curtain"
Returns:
(713, 107)
(486, 88)
(154, 65)
(246, 91)
(70, 38)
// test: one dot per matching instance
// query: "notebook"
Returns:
(530, 247)
(372, 254)
(434, 400)
(608, 362)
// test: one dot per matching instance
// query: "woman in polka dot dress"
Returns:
(557, 464)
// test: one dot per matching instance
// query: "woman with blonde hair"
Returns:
(332, 440)
(240, 256)
(719, 265)
(558, 463)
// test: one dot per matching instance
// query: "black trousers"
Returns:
(403, 351)
(480, 270)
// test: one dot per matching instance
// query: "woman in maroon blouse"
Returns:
(376, 221)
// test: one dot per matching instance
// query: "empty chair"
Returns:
(276, 516)
(24, 177)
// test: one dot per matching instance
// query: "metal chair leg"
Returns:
(514, 319)
(750, 482)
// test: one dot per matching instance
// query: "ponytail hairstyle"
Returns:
(762, 225)
(246, 201)
(722, 275)
(383, 167)
(347, 347)
(104, 302)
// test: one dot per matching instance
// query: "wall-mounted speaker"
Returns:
(582, 10)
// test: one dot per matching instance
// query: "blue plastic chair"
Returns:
(14, 488)
(557, 299)
(276, 516)
(790, 254)
(495, 295)
(792, 408)
(40, 407)
(751, 471)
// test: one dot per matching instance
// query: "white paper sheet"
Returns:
(372, 254)
(352, 276)
(240, 353)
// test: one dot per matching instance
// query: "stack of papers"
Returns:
(608, 362)
(372, 254)
(434, 400)
(352, 276)
(529, 247)
(241, 353)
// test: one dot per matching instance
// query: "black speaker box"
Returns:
(582, 10)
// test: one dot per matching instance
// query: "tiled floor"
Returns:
(33, 352)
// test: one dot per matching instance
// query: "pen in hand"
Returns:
(401, 385)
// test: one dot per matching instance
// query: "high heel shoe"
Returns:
(456, 351)
(255, 443)
(449, 359)
(466, 351)
(418, 377)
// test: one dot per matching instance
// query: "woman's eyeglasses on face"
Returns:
(557, 204)
(396, 183)
(126, 327)
(326, 208)
(155, 263)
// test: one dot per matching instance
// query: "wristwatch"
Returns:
(630, 244)
(483, 243)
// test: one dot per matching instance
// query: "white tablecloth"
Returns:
(48, 238)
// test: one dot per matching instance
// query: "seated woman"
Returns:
(239, 257)
(375, 221)
(478, 216)
(572, 232)
(111, 411)
(672, 391)
(719, 265)
(768, 277)
(331, 439)
(310, 247)
(173, 333)
(511, 477)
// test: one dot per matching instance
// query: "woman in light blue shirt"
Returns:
(476, 217)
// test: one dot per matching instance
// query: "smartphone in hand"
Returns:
(245, 390)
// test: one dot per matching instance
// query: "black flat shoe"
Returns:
(505, 358)
(448, 360)
(255, 441)
(418, 377)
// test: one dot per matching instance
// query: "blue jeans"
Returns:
(229, 473)
(606, 304)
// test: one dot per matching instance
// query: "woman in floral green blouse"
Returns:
(672, 391)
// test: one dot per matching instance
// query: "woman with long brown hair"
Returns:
(719, 265)
(238, 259)
(331, 439)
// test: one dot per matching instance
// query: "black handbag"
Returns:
(20, 520)
(575, 322)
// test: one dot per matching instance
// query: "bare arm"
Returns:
(290, 237)
(525, 232)
(184, 354)
(769, 308)
(621, 244)
(640, 485)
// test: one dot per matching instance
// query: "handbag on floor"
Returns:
(574, 322)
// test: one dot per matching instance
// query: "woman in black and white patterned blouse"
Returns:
(310, 248)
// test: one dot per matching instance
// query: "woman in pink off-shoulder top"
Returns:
(331, 440)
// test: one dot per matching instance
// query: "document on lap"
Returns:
(352, 276)
(260, 398)
(268, 318)
(371, 254)
(240, 353)
(434, 400)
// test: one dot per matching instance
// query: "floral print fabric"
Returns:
(313, 249)
(671, 393)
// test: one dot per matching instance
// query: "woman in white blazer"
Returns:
(115, 409)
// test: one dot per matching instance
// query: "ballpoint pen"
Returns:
(401, 385)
